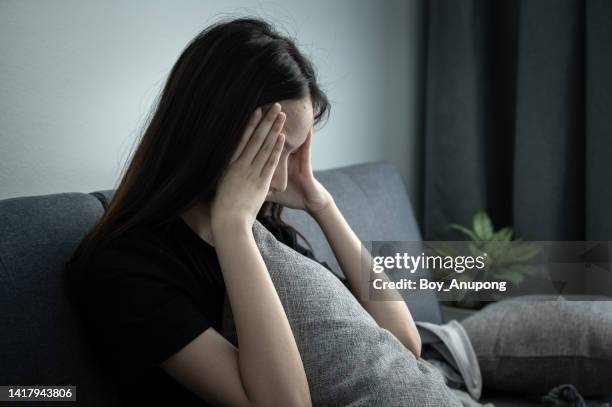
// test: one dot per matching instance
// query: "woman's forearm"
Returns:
(389, 311)
(270, 364)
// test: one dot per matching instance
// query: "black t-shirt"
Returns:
(148, 294)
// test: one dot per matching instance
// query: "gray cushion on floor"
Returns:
(529, 345)
(348, 358)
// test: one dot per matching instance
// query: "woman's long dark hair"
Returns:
(221, 77)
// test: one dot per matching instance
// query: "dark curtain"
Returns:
(519, 117)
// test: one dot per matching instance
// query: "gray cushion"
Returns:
(528, 345)
(348, 358)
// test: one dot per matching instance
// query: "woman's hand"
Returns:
(303, 190)
(245, 183)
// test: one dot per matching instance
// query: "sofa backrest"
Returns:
(41, 341)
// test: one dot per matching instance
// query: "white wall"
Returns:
(77, 79)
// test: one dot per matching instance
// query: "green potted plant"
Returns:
(506, 259)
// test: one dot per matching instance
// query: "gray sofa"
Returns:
(41, 342)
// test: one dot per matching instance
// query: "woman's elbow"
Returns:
(417, 344)
(412, 342)
(293, 399)
(302, 399)
(416, 350)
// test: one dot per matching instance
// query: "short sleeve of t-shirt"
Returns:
(138, 309)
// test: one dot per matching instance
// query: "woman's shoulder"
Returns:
(133, 272)
(136, 243)
(135, 290)
(134, 255)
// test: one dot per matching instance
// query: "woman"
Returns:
(229, 143)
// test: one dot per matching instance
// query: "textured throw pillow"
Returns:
(349, 360)
(529, 345)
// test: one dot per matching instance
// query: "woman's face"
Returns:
(299, 122)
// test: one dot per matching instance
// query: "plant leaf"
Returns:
(525, 269)
(503, 234)
(464, 230)
(525, 251)
(482, 225)
(511, 275)
(495, 249)
(517, 273)
(440, 248)
(475, 250)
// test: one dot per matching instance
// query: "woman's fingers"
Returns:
(246, 135)
(272, 161)
(261, 132)
(266, 149)
(306, 157)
